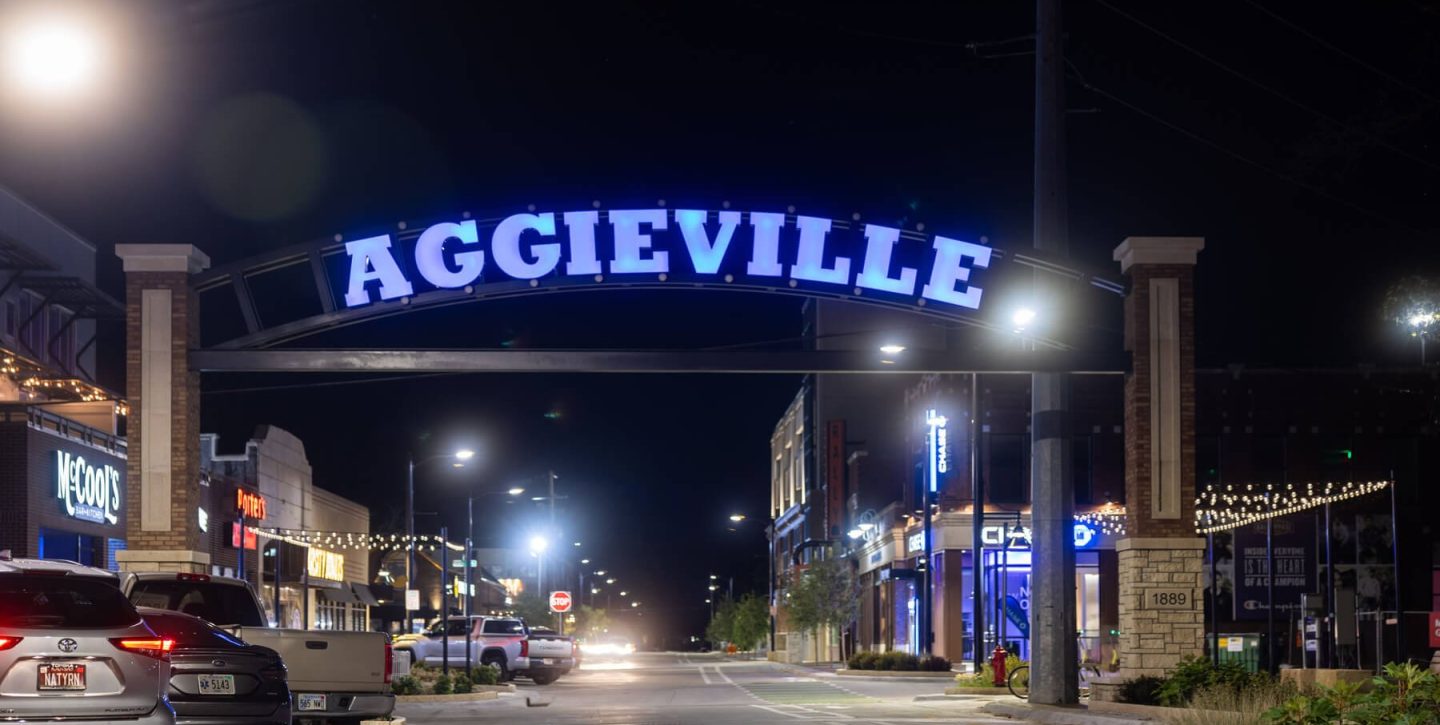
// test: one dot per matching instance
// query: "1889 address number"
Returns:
(1168, 599)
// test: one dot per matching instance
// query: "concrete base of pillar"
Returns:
(1162, 614)
(181, 561)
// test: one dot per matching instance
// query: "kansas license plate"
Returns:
(217, 684)
(62, 677)
(310, 702)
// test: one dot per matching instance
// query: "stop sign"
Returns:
(560, 602)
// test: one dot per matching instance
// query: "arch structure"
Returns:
(342, 281)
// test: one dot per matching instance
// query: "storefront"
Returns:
(891, 567)
(63, 484)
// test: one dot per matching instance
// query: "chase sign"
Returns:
(632, 244)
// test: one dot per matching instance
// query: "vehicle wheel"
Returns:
(497, 660)
(545, 679)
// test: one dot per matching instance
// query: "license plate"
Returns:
(309, 702)
(217, 684)
(61, 677)
(547, 661)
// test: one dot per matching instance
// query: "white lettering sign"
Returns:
(452, 255)
(89, 493)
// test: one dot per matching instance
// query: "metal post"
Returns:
(469, 568)
(410, 536)
(1399, 583)
(240, 562)
(977, 521)
(278, 622)
(445, 603)
(1332, 637)
(1214, 604)
(1053, 644)
(1269, 591)
(925, 580)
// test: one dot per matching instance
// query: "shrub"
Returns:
(442, 685)
(1226, 705)
(462, 684)
(1195, 673)
(1404, 694)
(863, 660)
(935, 664)
(405, 685)
(486, 675)
(900, 661)
(1142, 690)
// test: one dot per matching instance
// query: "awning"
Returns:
(340, 596)
(364, 595)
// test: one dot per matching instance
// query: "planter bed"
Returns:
(896, 673)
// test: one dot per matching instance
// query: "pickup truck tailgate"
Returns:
(548, 646)
(326, 661)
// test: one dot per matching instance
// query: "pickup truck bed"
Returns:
(332, 672)
(550, 656)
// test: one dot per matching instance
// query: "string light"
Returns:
(358, 540)
(1109, 519)
(1222, 510)
(31, 377)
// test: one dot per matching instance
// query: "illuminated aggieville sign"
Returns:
(763, 247)
(89, 493)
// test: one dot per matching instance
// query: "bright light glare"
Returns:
(516, 491)
(600, 573)
(609, 581)
(855, 533)
(867, 526)
(577, 543)
(604, 649)
(54, 56)
(737, 518)
(1023, 317)
(464, 454)
(1420, 319)
(584, 561)
(538, 544)
(892, 349)
(634, 604)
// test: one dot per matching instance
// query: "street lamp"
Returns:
(892, 349)
(737, 518)
(53, 56)
(1022, 318)
(516, 491)
(459, 456)
(538, 545)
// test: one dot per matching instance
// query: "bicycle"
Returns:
(1018, 682)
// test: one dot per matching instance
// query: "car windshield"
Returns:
(226, 604)
(189, 632)
(43, 602)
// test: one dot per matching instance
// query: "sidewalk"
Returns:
(1077, 715)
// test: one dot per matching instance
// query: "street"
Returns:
(679, 688)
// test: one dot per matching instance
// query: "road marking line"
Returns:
(704, 676)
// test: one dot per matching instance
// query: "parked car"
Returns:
(73, 648)
(218, 679)
(332, 675)
(495, 641)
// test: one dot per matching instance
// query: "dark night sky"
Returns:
(242, 126)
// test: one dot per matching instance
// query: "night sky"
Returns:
(1297, 139)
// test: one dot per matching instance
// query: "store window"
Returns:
(329, 615)
(57, 544)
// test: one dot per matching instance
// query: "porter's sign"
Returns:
(88, 492)
(757, 247)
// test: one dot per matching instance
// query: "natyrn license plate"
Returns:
(61, 677)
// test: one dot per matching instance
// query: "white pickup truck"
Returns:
(502, 642)
(340, 677)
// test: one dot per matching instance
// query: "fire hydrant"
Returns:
(997, 663)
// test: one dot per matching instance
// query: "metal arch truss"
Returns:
(322, 257)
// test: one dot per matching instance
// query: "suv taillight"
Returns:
(8, 642)
(192, 577)
(156, 647)
(524, 648)
(389, 663)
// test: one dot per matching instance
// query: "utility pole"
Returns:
(444, 602)
(1053, 652)
(410, 536)
(977, 523)
(469, 593)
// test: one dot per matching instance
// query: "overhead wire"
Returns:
(1297, 103)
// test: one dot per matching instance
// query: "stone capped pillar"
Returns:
(1162, 615)
(161, 324)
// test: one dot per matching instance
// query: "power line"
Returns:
(1251, 162)
(1269, 88)
(1342, 52)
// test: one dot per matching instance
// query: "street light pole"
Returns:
(410, 537)
(469, 567)
(445, 603)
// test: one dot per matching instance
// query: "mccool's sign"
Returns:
(761, 247)
(89, 493)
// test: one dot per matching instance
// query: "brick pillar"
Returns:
(163, 471)
(1160, 559)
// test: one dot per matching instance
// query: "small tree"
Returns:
(534, 610)
(752, 622)
(722, 624)
(824, 594)
(591, 622)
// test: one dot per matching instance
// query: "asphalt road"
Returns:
(666, 689)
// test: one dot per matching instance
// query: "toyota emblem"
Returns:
(68, 645)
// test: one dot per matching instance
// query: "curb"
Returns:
(976, 691)
(897, 674)
(466, 697)
(1078, 715)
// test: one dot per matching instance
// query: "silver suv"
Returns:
(72, 647)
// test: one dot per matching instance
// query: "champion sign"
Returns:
(90, 493)
(761, 247)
